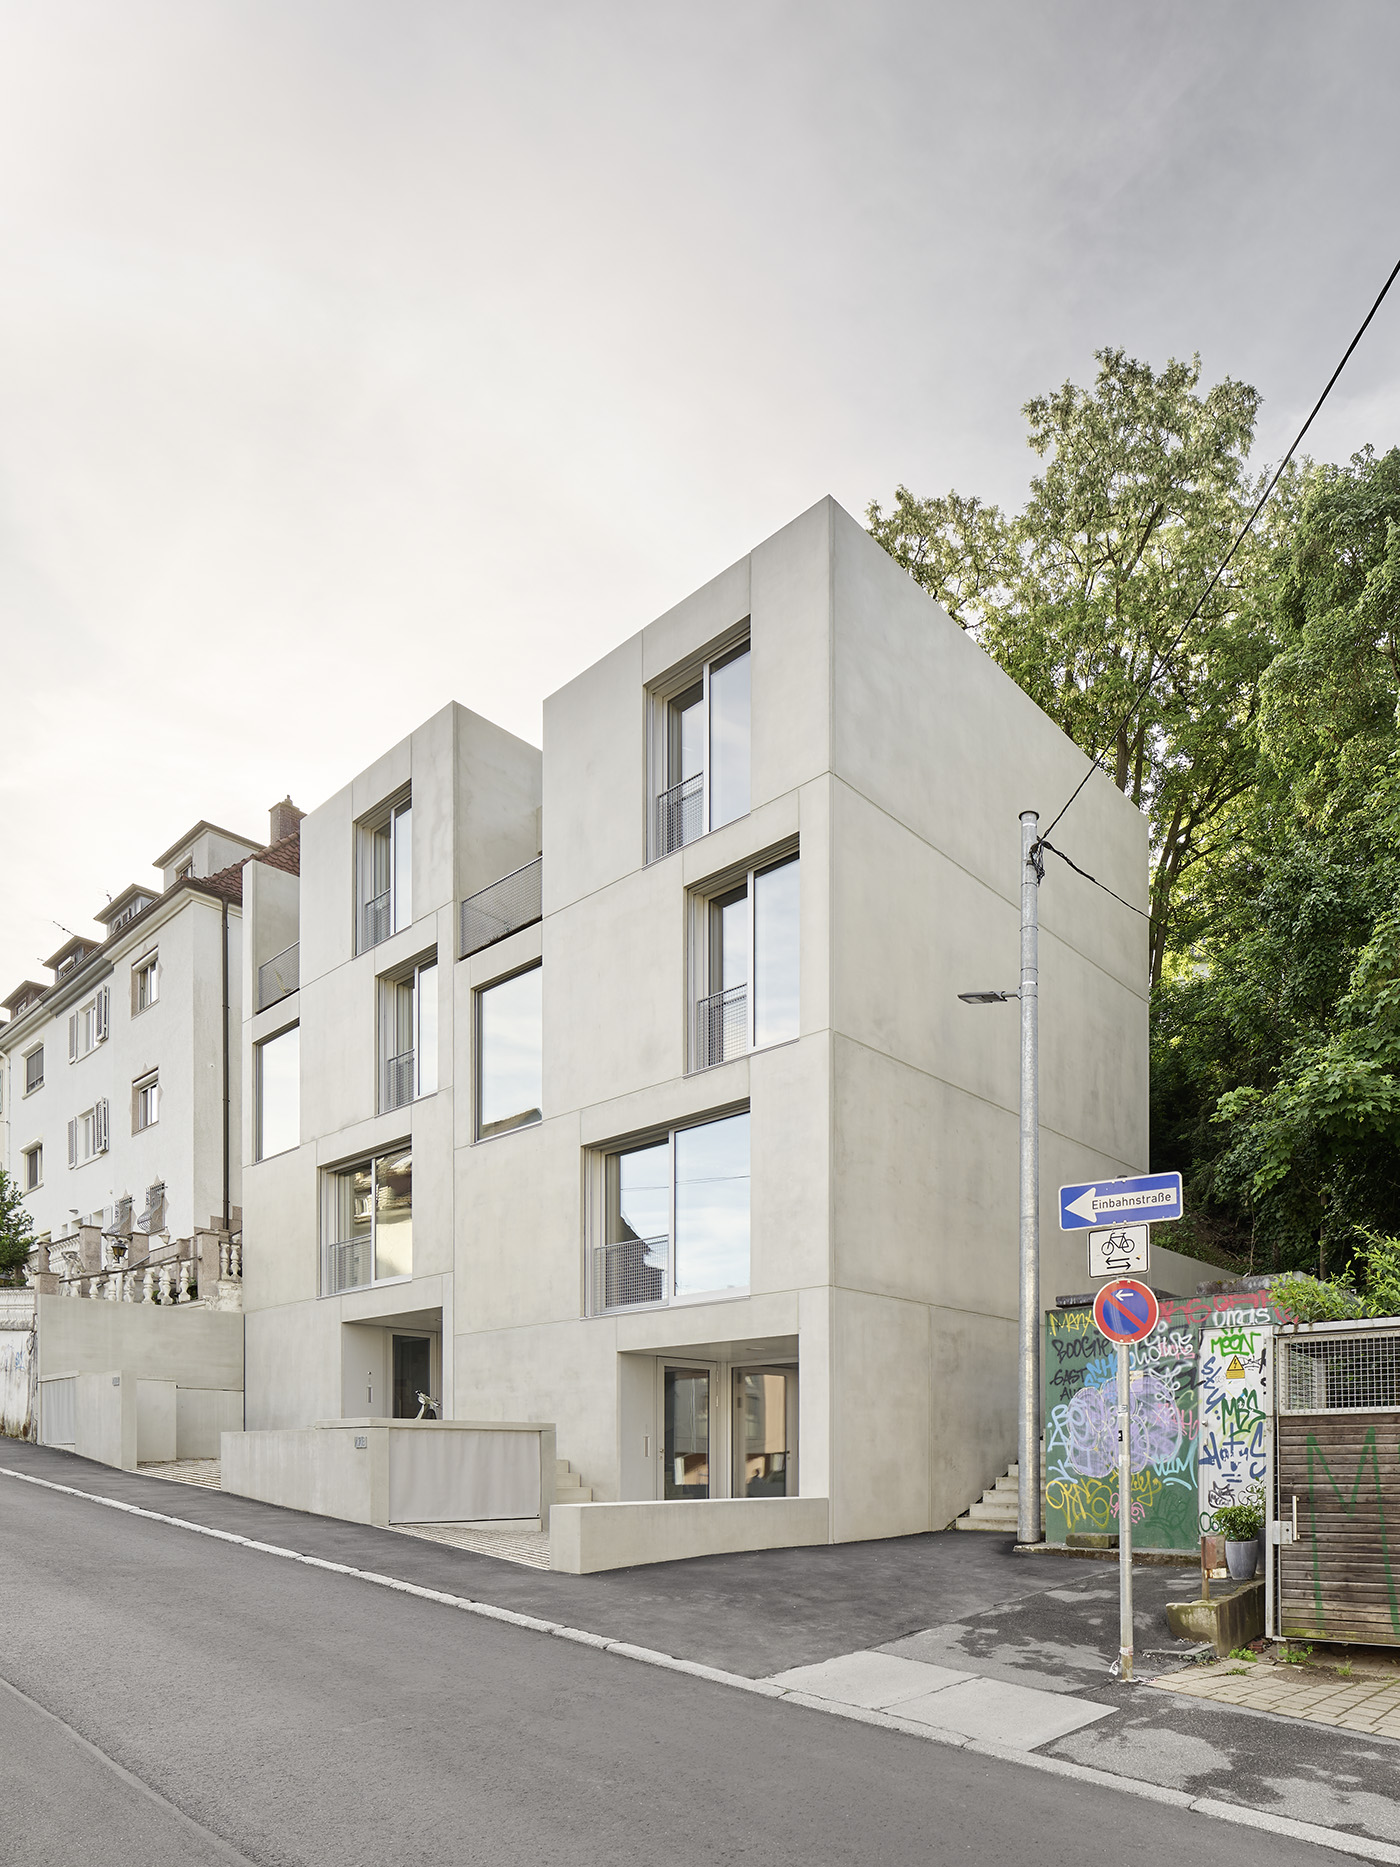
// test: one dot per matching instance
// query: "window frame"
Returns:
(597, 1216)
(33, 1158)
(259, 1153)
(32, 1089)
(388, 984)
(147, 965)
(143, 1089)
(387, 816)
(510, 1125)
(704, 900)
(89, 1134)
(664, 694)
(91, 1019)
(330, 1176)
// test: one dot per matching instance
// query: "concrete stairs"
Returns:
(995, 1510)
(569, 1488)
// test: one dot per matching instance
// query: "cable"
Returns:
(1044, 843)
(1175, 643)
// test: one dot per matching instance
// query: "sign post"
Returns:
(1125, 1311)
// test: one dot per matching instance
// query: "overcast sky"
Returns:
(355, 358)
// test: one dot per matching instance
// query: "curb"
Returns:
(1337, 1839)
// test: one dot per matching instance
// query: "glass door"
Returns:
(686, 1433)
(765, 1432)
(413, 1376)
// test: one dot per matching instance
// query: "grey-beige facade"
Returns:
(626, 1086)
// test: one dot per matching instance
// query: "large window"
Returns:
(369, 1223)
(703, 753)
(749, 965)
(510, 1028)
(385, 862)
(278, 1091)
(675, 1218)
(408, 1040)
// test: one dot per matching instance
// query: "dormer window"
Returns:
(185, 870)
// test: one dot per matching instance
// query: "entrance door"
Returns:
(686, 1433)
(765, 1432)
(413, 1375)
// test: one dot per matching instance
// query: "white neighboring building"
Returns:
(120, 1078)
(662, 1138)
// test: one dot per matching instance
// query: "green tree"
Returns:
(1080, 595)
(16, 1232)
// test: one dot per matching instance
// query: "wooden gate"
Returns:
(1337, 1463)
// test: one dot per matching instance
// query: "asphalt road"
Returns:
(297, 1716)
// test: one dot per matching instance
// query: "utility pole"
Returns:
(1028, 1410)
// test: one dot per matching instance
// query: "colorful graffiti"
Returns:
(1233, 1384)
(1173, 1426)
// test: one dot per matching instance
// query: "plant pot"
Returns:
(1241, 1559)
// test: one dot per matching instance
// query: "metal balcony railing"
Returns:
(376, 921)
(280, 976)
(721, 1027)
(680, 815)
(396, 1081)
(348, 1265)
(628, 1273)
(515, 901)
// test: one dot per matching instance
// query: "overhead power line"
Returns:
(1156, 660)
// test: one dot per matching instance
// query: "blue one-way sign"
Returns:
(1154, 1196)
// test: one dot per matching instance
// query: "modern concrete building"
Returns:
(627, 1086)
(119, 1078)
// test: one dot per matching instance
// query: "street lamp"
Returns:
(1028, 1397)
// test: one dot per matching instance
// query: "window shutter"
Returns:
(99, 1122)
(73, 1037)
(72, 1144)
(104, 1009)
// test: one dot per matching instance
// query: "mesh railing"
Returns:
(396, 1082)
(1328, 1373)
(347, 1266)
(630, 1272)
(279, 977)
(680, 815)
(376, 921)
(721, 1027)
(514, 902)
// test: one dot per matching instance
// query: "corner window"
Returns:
(34, 1070)
(368, 1223)
(675, 1219)
(408, 1036)
(748, 965)
(384, 859)
(509, 1049)
(145, 984)
(89, 1025)
(33, 1158)
(88, 1134)
(701, 752)
(145, 1102)
(277, 1088)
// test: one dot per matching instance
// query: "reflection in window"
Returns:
(369, 1221)
(703, 781)
(279, 1093)
(775, 953)
(509, 1048)
(729, 740)
(751, 966)
(386, 876)
(712, 1207)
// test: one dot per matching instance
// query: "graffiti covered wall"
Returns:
(1165, 1441)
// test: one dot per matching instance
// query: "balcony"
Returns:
(680, 815)
(280, 976)
(348, 1265)
(376, 920)
(515, 901)
(629, 1273)
(396, 1081)
(721, 1027)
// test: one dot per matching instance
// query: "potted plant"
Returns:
(1240, 1525)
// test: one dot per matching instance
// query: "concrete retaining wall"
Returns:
(584, 1538)
(399, 1471)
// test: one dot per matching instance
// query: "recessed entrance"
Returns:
(413, 1376)
(686, 1433)
(724, 1431)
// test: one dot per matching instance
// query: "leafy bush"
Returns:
(1313, 1299)
(1241, 1523)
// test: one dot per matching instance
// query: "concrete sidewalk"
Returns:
(956, 1635)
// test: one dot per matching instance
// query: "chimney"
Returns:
(283, 818)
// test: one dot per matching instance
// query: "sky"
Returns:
(355, 358)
